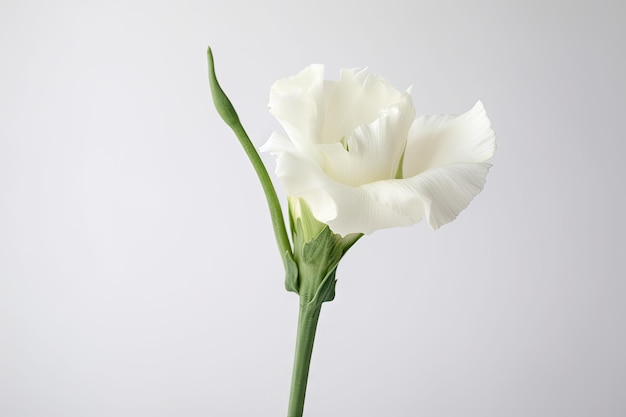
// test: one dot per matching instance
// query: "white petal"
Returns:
(314, 111)
(296, 102)
(303, 178)
(345, 140)
(442, 140)
(372, 152)
(438, 194)
(344, 208)
(277, 143)
(355, 99)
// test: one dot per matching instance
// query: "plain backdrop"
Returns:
(138, 270)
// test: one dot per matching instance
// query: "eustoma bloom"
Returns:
(358, 157)
(355, 159)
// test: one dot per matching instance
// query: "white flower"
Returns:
(356, 154)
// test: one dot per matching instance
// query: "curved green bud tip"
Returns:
(227, 112)
(220, 100)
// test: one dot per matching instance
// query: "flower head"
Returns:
(356, 154)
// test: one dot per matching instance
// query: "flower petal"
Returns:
(355, 99)
(438, 194)
(442, 140)
(302, 177)
(345, 142)
(373, 151)
(314, 111)
(297, 101)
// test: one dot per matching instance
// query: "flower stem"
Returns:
(229, 115)
(307, 324)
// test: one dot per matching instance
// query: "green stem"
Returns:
(276, 213)
(229, 115)
(307, 324)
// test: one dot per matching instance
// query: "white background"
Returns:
(138, 270)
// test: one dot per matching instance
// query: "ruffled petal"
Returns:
(314, 111)
(344, 146)
(438, 194)
(356, 99)
(344, 208)
(373, 151)
(277, 144)
(303, 178)
(443, 140)
(297, 104)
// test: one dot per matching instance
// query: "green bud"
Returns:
(317, 251)
(303, 223)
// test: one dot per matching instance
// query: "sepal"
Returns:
(326, 290)
(291, 272)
